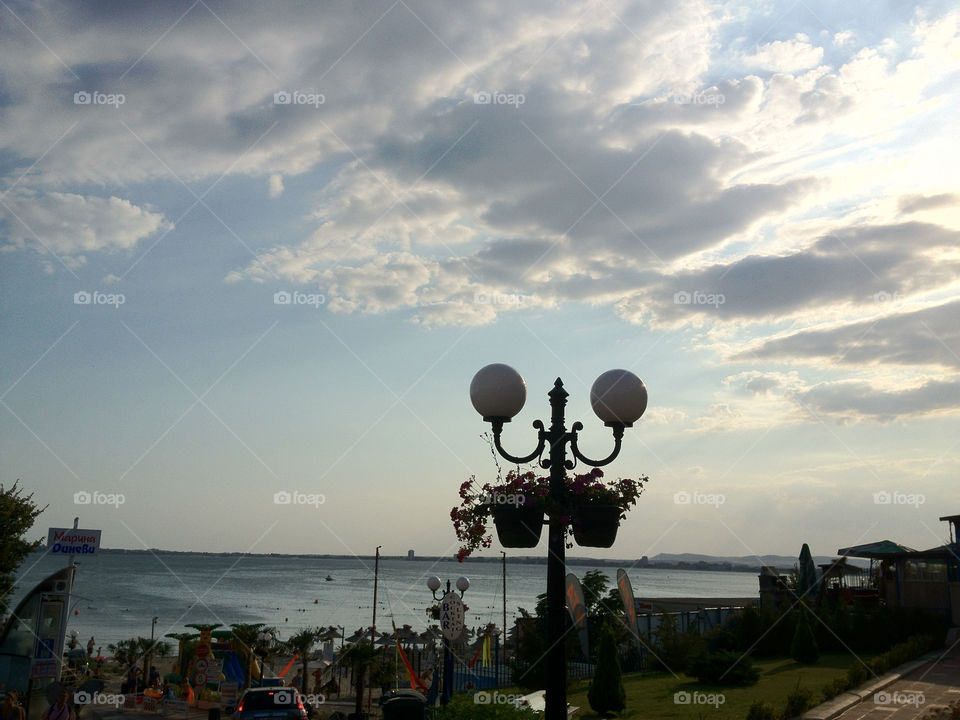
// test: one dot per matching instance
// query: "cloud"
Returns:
(787, 56)
(856, 400)
(916, 203)
(275, 183)
(67, 224)
(925, 337)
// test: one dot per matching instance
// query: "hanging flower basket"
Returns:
(596, 525)
(518, 527)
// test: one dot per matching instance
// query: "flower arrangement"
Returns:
(525, 490)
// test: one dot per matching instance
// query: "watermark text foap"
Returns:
(698, 698)
(484, 697)
(884, 497)
(284, 297)
(494, 298)
(499, 498)
(95, 497)
(684, 497)
(700, 98)
(296, 97)
(82, 697)
(916, 699)
(94, 97)
(685, 297)
(287, 697)
(295, 497)
(84, 297)
(883, 296)
(484, 97)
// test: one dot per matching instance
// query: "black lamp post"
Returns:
(449, 598)
(619, 398)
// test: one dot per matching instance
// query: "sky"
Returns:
(249, 249)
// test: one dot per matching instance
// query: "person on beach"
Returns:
(61, 709)
(11, 709)
(91, 643)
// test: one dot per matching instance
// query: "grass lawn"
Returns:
(651, 696)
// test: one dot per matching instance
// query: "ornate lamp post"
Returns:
(619, 398)
(451, 625)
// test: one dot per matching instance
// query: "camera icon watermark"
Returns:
(684, 297)
(486, 697)
(684, 497)
(484, 97)
(84, 497)
(700, 98)
(916, 699)
(485, 298)
(883, 497)
(698, 698)
(884, 297)
(295, 497)
(296, 97)
(84, 297)
(83, 697)
(285, 297)
(84, 97)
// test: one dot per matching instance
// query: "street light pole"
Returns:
(449, 629)
(619, 398)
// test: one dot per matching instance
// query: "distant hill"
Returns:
(777, 561)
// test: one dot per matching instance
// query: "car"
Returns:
(270, 703)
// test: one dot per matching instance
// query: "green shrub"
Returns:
(856, 675)
(798, 702)
(804, 648)
(724, 668)
(834, 688)
(674, 650)
(760, 710)
(606, 694)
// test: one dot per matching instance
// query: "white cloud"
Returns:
(787, 56)
(67, 224)
(275, 185)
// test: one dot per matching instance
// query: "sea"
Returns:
(116, 595)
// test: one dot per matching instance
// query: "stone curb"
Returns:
(846, 700)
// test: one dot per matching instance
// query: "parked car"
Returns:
(270, 703)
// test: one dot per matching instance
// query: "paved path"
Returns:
(919, 693)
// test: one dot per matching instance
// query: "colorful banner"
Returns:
(578, 611)
(629, 605)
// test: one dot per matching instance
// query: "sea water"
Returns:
(116, 595)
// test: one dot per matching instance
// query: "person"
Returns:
(11, 709)
(91, 644)
(154, 680)
(61, 709)
(297, 681)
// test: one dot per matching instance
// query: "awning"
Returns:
(881, 549)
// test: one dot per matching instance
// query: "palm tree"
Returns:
(359, 657)
(301, 644)
(246, 636)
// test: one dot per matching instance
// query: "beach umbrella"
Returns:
(361, 633)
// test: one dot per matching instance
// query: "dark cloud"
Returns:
(857, 400)
(930, 336)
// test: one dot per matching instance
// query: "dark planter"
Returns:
(518, 527)
(596, 525)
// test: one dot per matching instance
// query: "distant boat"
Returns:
(328, 578)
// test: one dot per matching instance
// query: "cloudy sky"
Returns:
(258, 248)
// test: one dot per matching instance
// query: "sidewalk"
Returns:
(910, 691)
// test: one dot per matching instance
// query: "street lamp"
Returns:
(451, 625)
(618, 398)
(264, 638)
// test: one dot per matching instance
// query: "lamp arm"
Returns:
(541, 442)
(617, 438)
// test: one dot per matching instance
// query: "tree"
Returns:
(606, 693)
(804, 647)
(301, 644)
(359, 657)
(17, 513)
